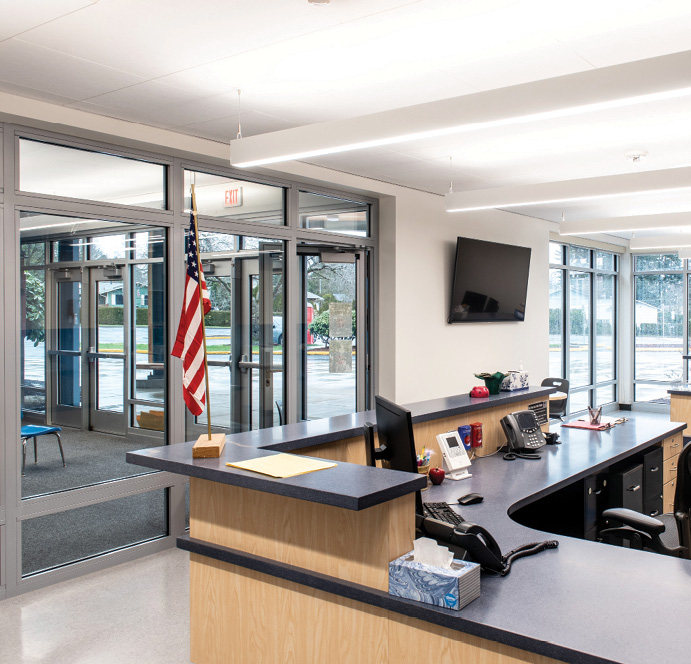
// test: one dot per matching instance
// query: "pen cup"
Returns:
(423, 470)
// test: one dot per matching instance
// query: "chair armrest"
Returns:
(635, 520)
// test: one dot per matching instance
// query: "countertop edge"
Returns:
(380, 599)
(256, 482)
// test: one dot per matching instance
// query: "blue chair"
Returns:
(34, 431)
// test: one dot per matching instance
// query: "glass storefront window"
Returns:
(556, 253)
(579, 341)
(657, 262)
(659, 320)
(605, 317)
(579, 257)
(556, 323)
(335, 215)
(57, 170)
(67, 537)
(239, 200)
(95, 335)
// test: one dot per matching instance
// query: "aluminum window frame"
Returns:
(593, 385)
(13, 510)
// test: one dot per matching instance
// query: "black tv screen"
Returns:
(490, 282)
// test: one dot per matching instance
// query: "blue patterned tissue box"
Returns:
(516, 380)
(451, 588)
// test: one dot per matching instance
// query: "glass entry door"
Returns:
(64, 347)
(88, 348)
(334, 343)
(107, 357)
(243, 347)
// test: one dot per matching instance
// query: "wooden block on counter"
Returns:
(207, 449)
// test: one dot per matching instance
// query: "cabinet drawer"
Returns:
(670, 469)
(653, 506)
(668, 496)
(627, 488)
(652, 474)
(672, 445)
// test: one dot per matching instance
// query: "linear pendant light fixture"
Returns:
(564, 191)
(641, 222)
(671, 242)
(640, 82)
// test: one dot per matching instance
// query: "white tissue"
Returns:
(427, 551)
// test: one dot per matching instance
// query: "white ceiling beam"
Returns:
(621, 85)
(564, 191)
(671, 242)
(641, 222)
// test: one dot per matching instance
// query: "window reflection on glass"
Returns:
(604, 261)
(579, 319)
(33, 359)
(651, 393)
(240, 200)
(655, 262)
(68, 172)
(108, 246)
(556, 323)
(659, 326)
(579, 257)
(336, 215)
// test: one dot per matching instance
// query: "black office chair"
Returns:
(558, 407)
(669, 534)
(279, 408)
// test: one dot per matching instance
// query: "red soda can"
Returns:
(476, 434)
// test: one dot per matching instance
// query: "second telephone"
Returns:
(523, 432)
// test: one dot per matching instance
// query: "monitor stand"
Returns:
(458, 475)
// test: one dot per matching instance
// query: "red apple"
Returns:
(437, 475)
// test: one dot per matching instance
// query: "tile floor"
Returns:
(136, 612)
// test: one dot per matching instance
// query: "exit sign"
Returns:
(233, 197)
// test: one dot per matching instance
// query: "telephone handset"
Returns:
(468, 541)
(523, 434)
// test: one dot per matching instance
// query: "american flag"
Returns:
(189, 343)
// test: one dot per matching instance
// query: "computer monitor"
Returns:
(396, 439)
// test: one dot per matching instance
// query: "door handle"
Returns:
(634, 488)
(655, 469)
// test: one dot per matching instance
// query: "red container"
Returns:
(476, 434)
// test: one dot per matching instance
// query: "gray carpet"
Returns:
(59, 539)
(91, 458)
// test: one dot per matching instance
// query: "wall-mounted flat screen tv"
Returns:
(490, 282)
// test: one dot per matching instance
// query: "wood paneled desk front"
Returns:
(296, 570)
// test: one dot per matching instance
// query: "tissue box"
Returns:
(451, 588)
(516, 380)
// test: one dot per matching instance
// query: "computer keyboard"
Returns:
(442, 512)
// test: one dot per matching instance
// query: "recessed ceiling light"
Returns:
(319, 3)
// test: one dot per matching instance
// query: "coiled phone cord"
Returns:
(526, 550)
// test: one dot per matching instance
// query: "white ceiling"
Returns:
(178, 65)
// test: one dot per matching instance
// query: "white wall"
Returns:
(434, 358)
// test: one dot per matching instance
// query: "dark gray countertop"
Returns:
(297, 436)
(583, 602)
(684, 390)
(347, 485)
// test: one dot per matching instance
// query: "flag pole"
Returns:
(201, 309)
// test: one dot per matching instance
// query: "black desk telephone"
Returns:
(523, 434)
(468, 541)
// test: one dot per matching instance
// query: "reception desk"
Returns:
(295, 570)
